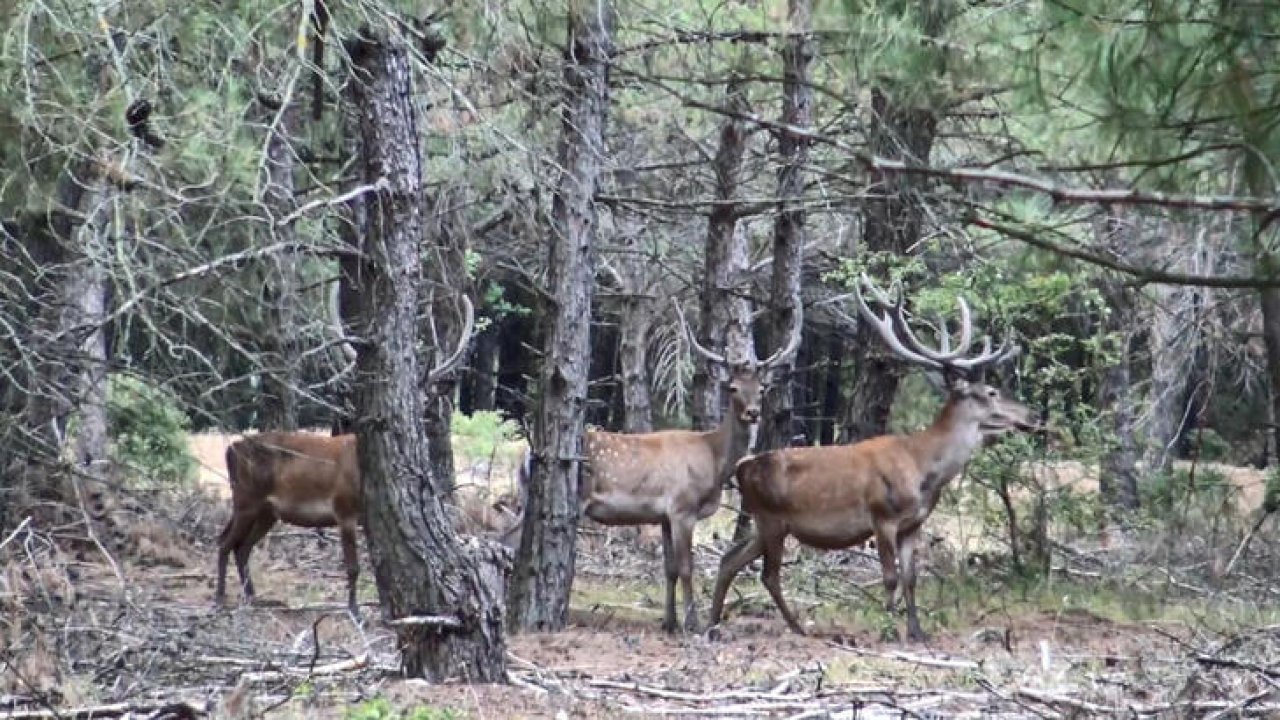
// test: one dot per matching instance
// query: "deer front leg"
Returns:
(671, 570)
(734, 559)
(682, 544)
(887, 545)
(907, 559)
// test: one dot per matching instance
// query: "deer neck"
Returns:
(731, 441)
(945, 447)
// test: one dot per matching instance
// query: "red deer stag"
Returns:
(674, 478)
(303, 479)
(885, 487)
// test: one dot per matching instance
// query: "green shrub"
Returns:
(483, 434)
(1178, 490)
(148, 431)
(379, 708)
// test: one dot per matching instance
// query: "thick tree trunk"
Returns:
(445, 593)
(894, 220)
(90, 443)
(634, 323)
(633, 363)
(279, 408)
(65, 346)
(777, 422)
(726, 308)
(545, 562)
(777, 427)
(1118, 475)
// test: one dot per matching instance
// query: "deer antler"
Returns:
(468, 326)
(897, 334)
(693, 341)
(797, 329)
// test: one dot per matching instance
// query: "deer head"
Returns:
(747, 381)
(971, 401)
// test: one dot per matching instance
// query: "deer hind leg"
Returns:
(238, 526)
(907, 559)
(262, 525)
(671, 570)
(352, 563)
(682, 544)
(771, 577)
(734, 559)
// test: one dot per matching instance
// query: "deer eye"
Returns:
(733, 389)
(993, 393)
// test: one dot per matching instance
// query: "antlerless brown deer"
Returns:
(885, 487)
(674, 478)
(303, 479)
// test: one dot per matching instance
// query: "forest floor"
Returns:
(1101, 635)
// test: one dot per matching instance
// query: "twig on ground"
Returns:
(182, 708)
(947, 663)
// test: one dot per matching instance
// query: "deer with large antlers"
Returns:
(674, 478)
(305, 480)
(885, 487)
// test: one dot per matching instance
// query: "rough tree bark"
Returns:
(894, 220)
(453, 586)
(279, 409)
(726, 307)
(633, 327)
(893, 223)
(777, 417)
(777, 421)
(545, 562)
(1118, 475)
(66, 348)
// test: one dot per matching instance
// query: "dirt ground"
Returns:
(141, 630)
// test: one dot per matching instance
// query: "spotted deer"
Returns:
(674, 478)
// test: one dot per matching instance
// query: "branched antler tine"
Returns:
(988, 357)
(946, 355)
(693, 340)
(944, 335)
(966, 326)
(884, 326)
(468, 327)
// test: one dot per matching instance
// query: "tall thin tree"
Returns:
(545, 562)
(443, 595)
